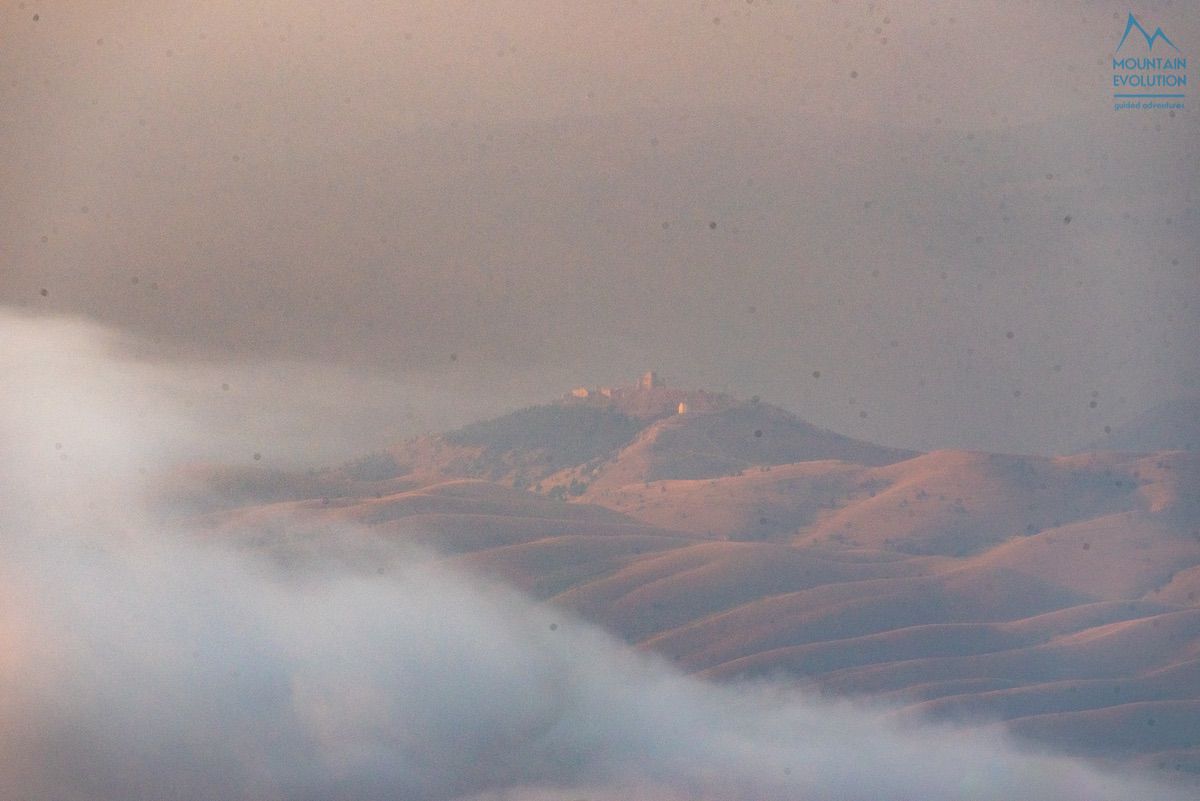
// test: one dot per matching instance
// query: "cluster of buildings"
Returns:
(649, 381)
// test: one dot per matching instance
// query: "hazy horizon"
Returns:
(453, 211)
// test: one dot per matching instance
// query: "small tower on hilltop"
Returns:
(650, 380)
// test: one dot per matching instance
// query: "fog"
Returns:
(932, 204)
(289, 233)
(140, 659)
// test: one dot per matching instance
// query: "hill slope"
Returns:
(1057, 597)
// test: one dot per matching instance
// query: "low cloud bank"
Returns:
(140, 661)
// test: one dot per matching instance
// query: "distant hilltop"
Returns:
(648, 381)
(649, 397)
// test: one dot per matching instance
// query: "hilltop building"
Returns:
(650, 380)
(649, 397)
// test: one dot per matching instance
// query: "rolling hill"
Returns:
(1055, 597)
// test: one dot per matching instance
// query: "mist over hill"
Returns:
(442, 638)
(1056, 597)
(327, 472)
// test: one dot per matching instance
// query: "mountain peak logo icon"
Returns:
(1133, 24)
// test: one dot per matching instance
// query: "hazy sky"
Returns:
(451, 208)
